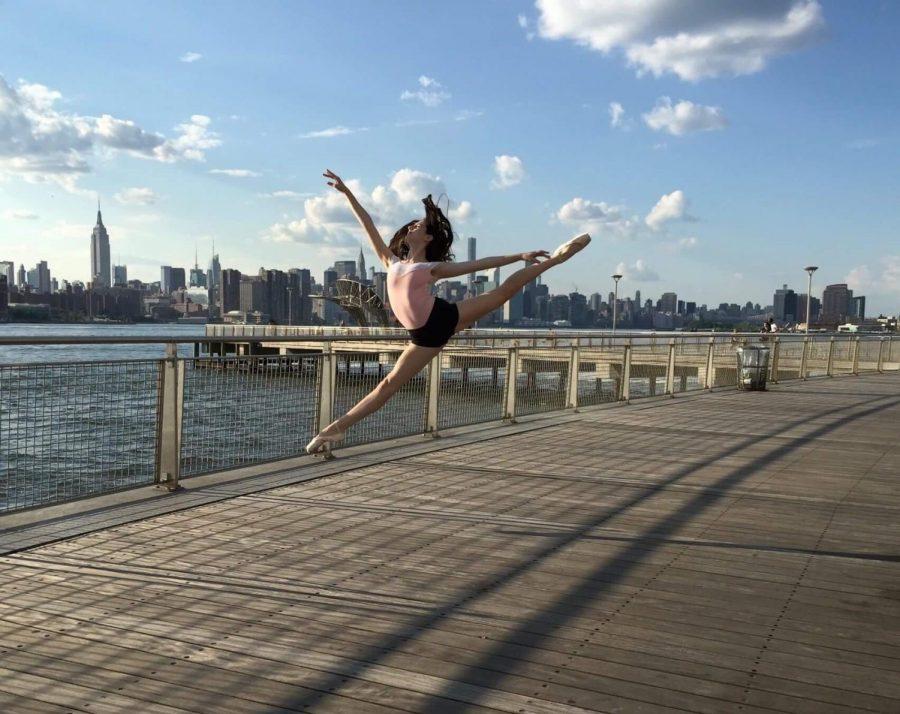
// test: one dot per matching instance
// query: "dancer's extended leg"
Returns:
(473, 309)
(407, 366)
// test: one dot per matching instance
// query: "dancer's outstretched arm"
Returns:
(362, 215)
(451, 270)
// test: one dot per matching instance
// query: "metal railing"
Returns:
(72, 430)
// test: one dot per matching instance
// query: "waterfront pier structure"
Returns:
(719, 551)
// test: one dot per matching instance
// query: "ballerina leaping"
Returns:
(417, 256)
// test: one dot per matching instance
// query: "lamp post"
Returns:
(810, 269)
(616, 278)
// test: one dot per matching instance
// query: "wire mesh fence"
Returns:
(817, 357)
(541, 380)
(69, 431)
(404, 415)
(243, 410)
(471, 387)
(599, 376)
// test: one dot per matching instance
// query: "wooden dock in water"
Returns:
(723, 552)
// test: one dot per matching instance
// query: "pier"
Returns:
(711, 551)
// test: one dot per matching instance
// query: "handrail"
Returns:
(501, 335)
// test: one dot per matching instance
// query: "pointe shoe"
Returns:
(570, 247)
(319, 441)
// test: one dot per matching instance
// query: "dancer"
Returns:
(417, 256)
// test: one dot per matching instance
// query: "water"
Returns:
(14, 354)
(79, 420)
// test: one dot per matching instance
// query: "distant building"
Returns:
(690, 308)
(4, 296)
(213, 285)
(815, 307)
(379, 282)
(836, 302)
(345, 268)
(8, 268)
(668, 302)
(785, 305)
(253, 295)
(230, 293)
(120, 276)
(22, 277)
(512, 309)
(165, 279)
(361, 265)
(100, 273)
(39, 278)
(858, 308)
(471, 256)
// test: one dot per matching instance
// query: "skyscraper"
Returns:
(39, 278)
(213, 283)
(471, 256)
(120, 276)
(231, 290)
(361, 265)
(197, 276)
(100, 275)
(785, 304)
(836, 302)
(668, 302)
(345, 268)
(8, 268)
(21, 277)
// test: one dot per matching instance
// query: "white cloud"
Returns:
(861, 144)
(462, 212)
(190, 57)
(737, 276)
(525, 24)
(670, 207)
(597, 218)
(890, 274)
(431, 93)
(136, 196)
(236, 173)
(616, 115)
(39, 143)
(687, 243)
(684, 117)
(859, 278)
(333, 131)
(327, 219)
(508, 171)
(693, 39)
(884, 279)
(638, 271)
(19, 215)
(289, 195)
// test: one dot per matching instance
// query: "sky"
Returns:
(712, 147)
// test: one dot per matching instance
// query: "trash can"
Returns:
(752, 367)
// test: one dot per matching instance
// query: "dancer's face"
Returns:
(417, 236)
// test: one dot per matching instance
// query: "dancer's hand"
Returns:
(336, 183)
(533, 255)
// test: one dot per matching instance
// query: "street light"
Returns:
(810, 269)
(617, 278)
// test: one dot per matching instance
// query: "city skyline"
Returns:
(717, 174)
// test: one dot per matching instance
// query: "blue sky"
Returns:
(750, 140)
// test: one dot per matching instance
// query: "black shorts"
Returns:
(439, 327)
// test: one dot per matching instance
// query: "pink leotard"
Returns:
(409, 291)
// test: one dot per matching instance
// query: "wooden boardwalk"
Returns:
(732, 552)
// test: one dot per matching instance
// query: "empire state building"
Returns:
(100, 274)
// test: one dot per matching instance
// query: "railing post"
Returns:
(773, 363)
(434, 391)
(670, 370)
(856, 357)
(625, 386)
(171, 406)
(710, 353)
(880, 367)
(804, 357)
(325, 392)
(572, 385)
(829, 370)
(512, 372)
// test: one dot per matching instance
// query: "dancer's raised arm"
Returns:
(362, 215)
(451, 270)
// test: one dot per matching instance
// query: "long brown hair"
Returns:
(437, 225)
